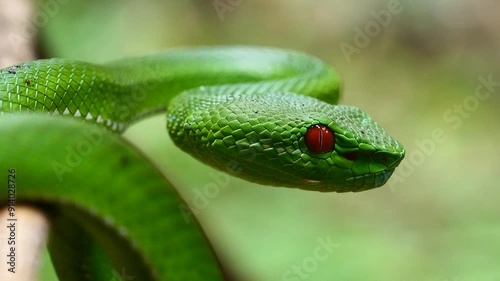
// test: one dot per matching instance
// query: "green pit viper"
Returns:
(266, 115)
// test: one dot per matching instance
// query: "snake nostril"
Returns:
(387, 158)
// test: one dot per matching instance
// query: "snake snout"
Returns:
(389, 159)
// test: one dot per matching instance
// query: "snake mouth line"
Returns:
(369, 181)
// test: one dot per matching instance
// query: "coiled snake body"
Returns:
(270, 114)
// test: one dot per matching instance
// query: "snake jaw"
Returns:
(380, 166)
(378, 175)
(366, 171)
(368, 181)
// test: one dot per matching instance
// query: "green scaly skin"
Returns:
(244, 110)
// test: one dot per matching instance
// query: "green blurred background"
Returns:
(417, 74)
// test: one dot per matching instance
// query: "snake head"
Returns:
(285, 139)
(361, 155)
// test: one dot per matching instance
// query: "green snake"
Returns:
(266, 115)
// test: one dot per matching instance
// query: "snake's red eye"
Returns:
(319, 138)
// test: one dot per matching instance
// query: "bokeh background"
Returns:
(417, 67)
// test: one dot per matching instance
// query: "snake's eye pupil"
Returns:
(319, 139)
